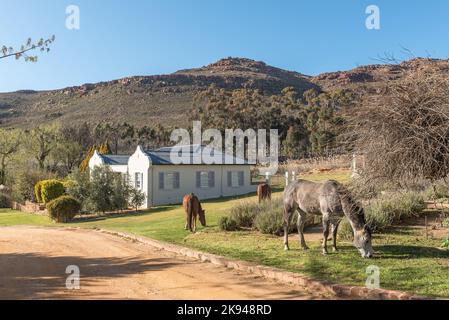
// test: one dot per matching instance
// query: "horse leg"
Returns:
(325, 235)
(194, 222)
(334, 236)
(300, 224)
(287, 212)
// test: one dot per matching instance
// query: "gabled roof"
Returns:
(115, 160)
(190, 154)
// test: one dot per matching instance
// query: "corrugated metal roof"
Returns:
(190, 154)
(117, 160)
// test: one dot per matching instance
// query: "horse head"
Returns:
(362, 241)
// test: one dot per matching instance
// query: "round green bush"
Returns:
(63, 209)
(38, 191)
(227, 224)
(51, 189)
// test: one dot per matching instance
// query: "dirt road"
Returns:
(33, 263)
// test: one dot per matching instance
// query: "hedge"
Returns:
(38, 191)
(50, 190)
(63, 209)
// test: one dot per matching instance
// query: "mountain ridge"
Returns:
(166, 99)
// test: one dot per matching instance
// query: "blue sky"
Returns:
(142, 37)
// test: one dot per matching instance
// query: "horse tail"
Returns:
(190, 213)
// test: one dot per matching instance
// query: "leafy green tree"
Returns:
(121, 191)
(101, 189)
(43, 140)
(295, 143)
(10, 140)
(79, 187)
(136, 198)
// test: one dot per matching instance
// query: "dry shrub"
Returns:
(316, 163)
(404, 134)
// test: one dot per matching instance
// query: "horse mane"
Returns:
(351, 207)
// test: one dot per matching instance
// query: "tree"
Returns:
(103, 149)
(136, 198)
(43, 140)
(79, 187)
(101, 189)
(67, 153)
(121, 191)
(10, 141)
(295, 143)
(42, 45)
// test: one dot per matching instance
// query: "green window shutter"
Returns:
(176, 180)
(198, 179)
(161, 181)
(241, 178)
(211, 179)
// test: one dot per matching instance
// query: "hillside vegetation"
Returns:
(167, 99)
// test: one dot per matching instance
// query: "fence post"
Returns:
(267, 177)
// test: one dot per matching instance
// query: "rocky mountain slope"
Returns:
(167, 99)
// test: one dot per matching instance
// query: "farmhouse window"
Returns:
(168, 180)
(236, 179)
(205, 179)
(138, 180)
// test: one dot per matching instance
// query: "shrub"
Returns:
(67, 184)
(244, 213)
(446, 223)
(38, 192)
(79, 187)
(270, 219)
(386, 210)
(227, 224)
(5, 200)
(136, 198)
(439, 191)
(51, 189)
(345, 230)
(101, 190)
(25, 181)
(267, 217)
(445, 243)
(63, 209)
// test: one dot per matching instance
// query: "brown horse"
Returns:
(192, 206)
(264, 192)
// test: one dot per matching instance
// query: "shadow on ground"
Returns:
(26, 276)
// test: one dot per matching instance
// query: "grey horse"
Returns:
(332, 201)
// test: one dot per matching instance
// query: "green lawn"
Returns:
(407, 261)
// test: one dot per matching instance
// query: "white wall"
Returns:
(140, 163)
(187, 183)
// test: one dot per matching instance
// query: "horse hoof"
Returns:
(305, 248)
(324, 253)
(286, 248)
(334, 250)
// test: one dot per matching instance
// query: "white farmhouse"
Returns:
(164, 182)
